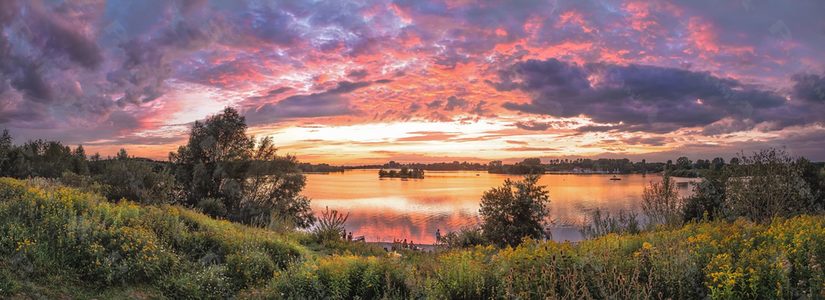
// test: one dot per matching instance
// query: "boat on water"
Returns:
(615, 178)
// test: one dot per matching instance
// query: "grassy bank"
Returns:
(51, 234)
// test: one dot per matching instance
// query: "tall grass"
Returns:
(47, 229)
(740, 260)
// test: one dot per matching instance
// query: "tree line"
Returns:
(220, 170)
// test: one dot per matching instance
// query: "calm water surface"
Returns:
(390, 208)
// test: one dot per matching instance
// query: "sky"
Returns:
(356, 82)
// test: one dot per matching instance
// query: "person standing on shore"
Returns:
(437, 236)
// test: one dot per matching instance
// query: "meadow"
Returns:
(94, 248)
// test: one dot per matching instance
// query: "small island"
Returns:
(403, 173)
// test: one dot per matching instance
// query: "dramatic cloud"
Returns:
(551, 75)
(327, 103)
(649, 98)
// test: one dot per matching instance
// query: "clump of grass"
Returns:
(330, 227)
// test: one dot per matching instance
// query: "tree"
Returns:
(205, 166)
(683, 163)
(253, 184)
(717, 163)
(80, 164)
(122, 154)
(814, 175)
(271, 190)
(661, 203)
(515, 210)
(6, 147)
(141, 181)
(768, 184)
(708, 199)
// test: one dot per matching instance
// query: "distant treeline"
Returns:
(319, 168)
(683, 167)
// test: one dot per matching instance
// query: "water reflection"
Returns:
(390, 208)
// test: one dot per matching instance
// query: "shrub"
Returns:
(248, 266)
(463, 238)
(599, 225)
(661, 203)
(341, 277)
(515, 210)
(212, 207)
(768, 184)
(708, 199)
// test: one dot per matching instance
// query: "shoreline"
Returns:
(421, 247)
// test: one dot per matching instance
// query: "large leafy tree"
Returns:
(223, 171)
(206, 165)
(515, 210)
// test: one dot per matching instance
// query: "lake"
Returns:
(392, 208)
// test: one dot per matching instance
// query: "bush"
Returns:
(708, 199)
(463, 238)
(248, 266)
(598, 225)
(212, 207)
(661, 203)
(515, 210)
(341, 277)
(768, 184)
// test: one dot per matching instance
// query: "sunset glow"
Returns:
(355, 82)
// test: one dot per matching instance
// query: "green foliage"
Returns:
(46, 229)
(210, 282)
(341, 277)
(768, 184)
(138, 180)
(212, 207)
(249, 266)
(255, 185)
(330, 227)
(708, 198)
(463, 238)
(661, 203)
(515, 210)
(463, 275)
